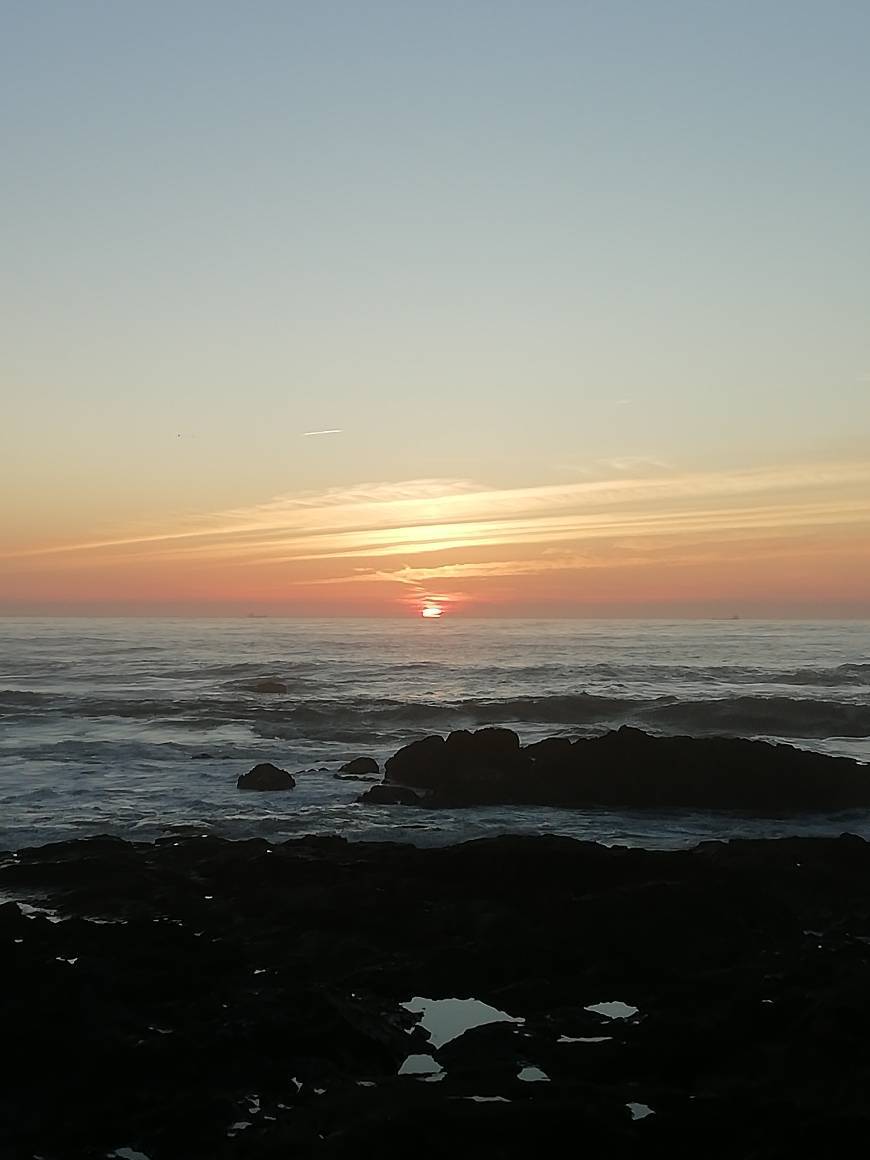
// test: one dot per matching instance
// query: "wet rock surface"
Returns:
(625, 769)
(391, 795)
(200, 998)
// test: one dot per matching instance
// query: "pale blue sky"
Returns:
(489, 240)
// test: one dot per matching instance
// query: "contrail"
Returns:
(327, 431)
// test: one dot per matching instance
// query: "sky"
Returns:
(504, 308)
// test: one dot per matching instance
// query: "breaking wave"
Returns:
(285, 717)
(750, 716)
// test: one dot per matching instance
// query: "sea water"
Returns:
(140, 727)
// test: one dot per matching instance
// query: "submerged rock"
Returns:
(391, 795)
(627, 769)
(266, 776)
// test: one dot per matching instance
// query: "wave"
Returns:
(825, 677)
(21, 699)
(276, 667)
(742, 716)
(842, 675)
(778, 716)
(333, 669)
(287, 717)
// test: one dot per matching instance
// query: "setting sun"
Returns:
(432, 611)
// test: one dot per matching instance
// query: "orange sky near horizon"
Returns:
(643, 540)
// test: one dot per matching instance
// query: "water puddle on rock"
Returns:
(422, 1067)
(640, 1111)
(533, 1075)
(585, 1039)
(31, 911)
(613, 1010)
(446, 1019)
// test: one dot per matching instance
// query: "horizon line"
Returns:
(413, 616)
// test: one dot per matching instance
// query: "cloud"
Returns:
(636, 464)
(385, 531)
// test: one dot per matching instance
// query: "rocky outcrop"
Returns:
(627, 769)
(266, 777)
(464, 764)
(361, 767)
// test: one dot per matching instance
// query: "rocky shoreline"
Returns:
(199, 998)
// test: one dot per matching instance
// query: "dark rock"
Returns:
(550, 751)
(12, 921)
(465, 768)
(391, 795)
(494, 1046)
(266, 776)
(226, 968)
(360, 766)
(422, 763)
(628, 769)
(484, 745)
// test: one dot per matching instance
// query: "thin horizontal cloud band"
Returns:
(415, 517)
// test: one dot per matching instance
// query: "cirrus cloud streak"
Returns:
(409, 535)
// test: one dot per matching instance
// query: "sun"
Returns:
(432, 611)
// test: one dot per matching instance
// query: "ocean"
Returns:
(140, 727)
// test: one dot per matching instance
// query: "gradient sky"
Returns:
(580, 289)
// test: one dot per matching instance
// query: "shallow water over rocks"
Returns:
(446, 1019)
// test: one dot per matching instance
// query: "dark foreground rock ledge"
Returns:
(624, 769)
(202, 999)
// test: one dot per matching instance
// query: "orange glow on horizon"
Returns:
(778, 538)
